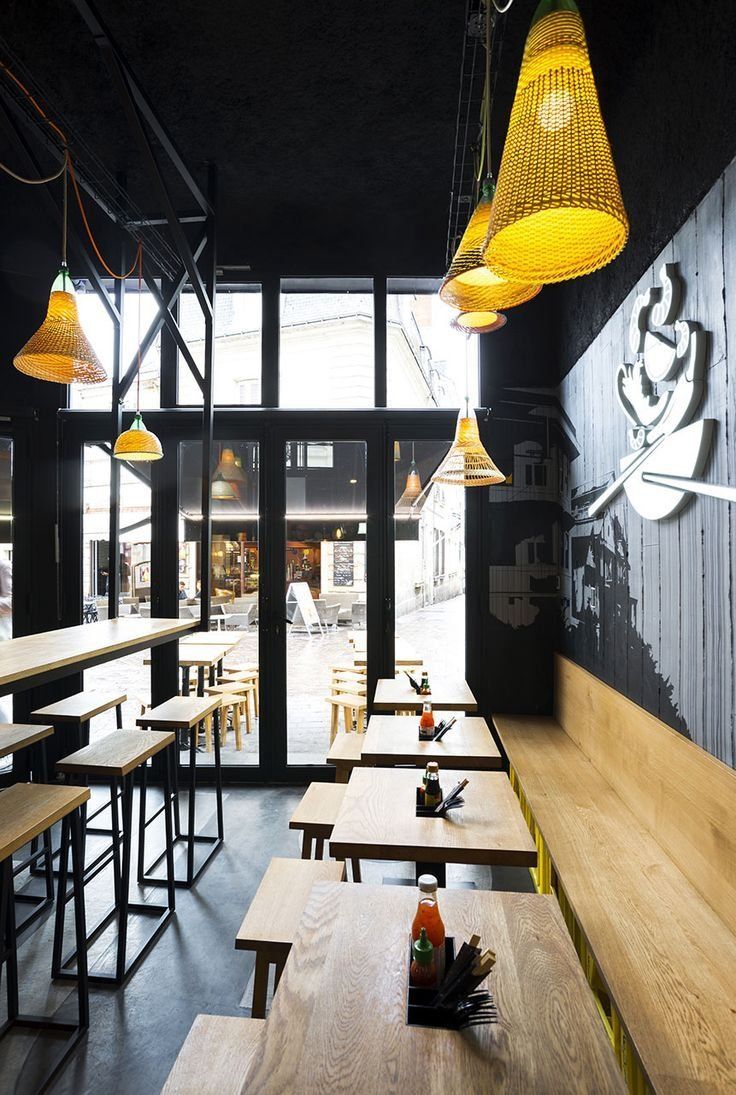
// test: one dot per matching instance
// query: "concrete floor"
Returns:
(136, 1031)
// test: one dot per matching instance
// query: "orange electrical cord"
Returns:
(68, 166)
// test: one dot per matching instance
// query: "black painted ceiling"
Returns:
(333, 125)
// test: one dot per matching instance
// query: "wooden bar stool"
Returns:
(235, 707)
(30, 741)
(233, 688)
(274, 916)
(353, 711)
(184, 715)
(316, 815)
(26, 811)
(346, 753)
(244, 673)
(76, 712)
(215, 1057)
(115, 758)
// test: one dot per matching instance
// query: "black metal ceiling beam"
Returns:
(23, 148)
(173, 327)
(151, 334)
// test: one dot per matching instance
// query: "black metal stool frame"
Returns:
(40, 902)
(71, 827)
(122, 906)
(190, 837)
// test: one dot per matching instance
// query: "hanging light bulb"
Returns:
(413, 488)
(60, 351)
(467, 464)
(469, 284)
(478, 323)
(557, 212)
(138, 443)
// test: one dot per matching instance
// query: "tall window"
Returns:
(427, 362)
(236, 379)
(326, 344)
(99, 330)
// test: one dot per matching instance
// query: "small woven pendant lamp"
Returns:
(60, 351)
(469, 284)
(138, 443)
(467, 464)
(478, 323)
(413, 489)
(558, 211)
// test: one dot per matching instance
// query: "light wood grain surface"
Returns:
(32, 655)
(211, 638)
(396, 694)
(79, 707)
(15, 736)
(377, 820)
(667, 958)
(338, 1021)
(394, 739)
(180, 712)
(403, 653)
(272, 921)
(215, 1057)
(318, 808)
(118, 753)
(27, 809)
(193, 655)
(683, 795)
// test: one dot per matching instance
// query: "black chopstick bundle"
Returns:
(413, 683)
(443, 728)
(454, 800)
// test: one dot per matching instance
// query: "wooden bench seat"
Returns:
(15, 736)
(80, 707)
(28, 809)
(116, 754)
(179, 712)
(346, 753)
(632, 861)
(274, 916)
(215, 1057)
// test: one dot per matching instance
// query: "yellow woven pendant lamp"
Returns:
(478, 323)
(60, 351)
(138, 443)
(469, 284)
(558, 211)
(229, 468)
(467, 464)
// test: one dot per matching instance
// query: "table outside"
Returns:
(205, 657)
(393, 739)
(338, 1021)
(377, 820)
(214, 638)
(404, 655)
(396, 694)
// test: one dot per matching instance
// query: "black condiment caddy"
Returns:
(420, 1008)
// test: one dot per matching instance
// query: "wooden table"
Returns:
(393, 739)
(377, 820)
(396, 694)
(37, 659)
(403, 655)
(206, 656)
(338, 1021)
(205, 638)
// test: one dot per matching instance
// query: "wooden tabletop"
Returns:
(15, 736)
(50, 653)
(396, 694)
(394, 739)
(217, 638)
(338, 1021)
(191, 655)
(377, 820)
(28, 809)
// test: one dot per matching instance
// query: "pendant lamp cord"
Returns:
(64, 209)
(139, 260)
(489, 45)
(467, 377)
(65, 167)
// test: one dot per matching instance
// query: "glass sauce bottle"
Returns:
(426, 723)
(428, 917)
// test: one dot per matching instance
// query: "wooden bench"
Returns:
(636, 832)
(316, 815)
(215, 1057)
(274, 916)
(346, 753)
(78, 710)
(353, 711)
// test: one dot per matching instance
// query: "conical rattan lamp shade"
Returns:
(469, 284)
(467, 464)
(229, 468)
(558, 212)
(412, 490)
(138, 443)
(59, 351)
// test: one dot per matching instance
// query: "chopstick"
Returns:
(444, 728)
